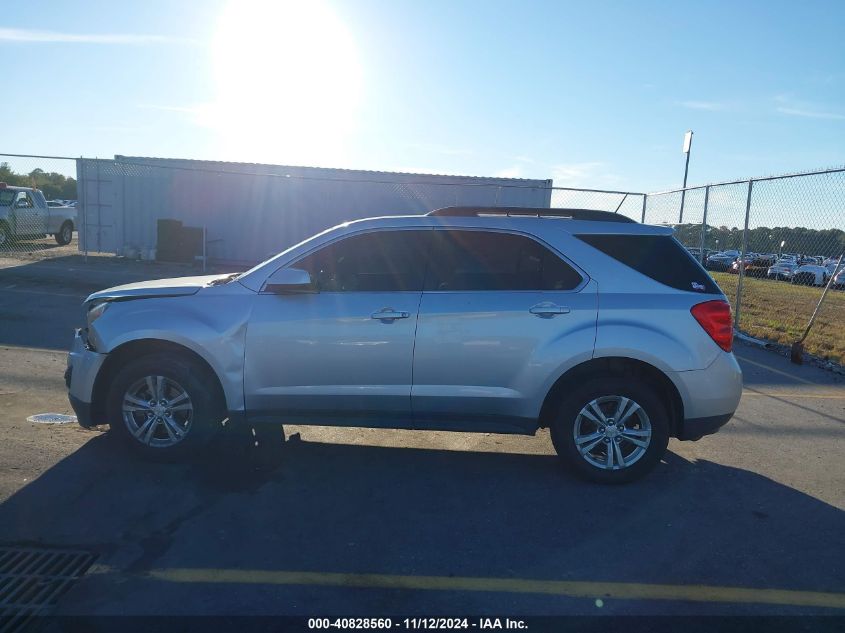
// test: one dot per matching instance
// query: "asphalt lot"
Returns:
(374, 522)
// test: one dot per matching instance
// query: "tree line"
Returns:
(762, 239)
(52, 184)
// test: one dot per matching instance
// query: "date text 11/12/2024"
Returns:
(417, 623)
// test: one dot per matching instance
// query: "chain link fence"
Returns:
(38, 207)
(772, 244)
(625, 203)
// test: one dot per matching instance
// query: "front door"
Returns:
(29, 218)
(343, 353)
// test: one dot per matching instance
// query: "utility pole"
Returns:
(687, 151)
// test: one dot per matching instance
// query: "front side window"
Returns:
(381, 261)
(462, 260)
(23, 201)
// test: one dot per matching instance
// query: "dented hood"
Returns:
(176, 287)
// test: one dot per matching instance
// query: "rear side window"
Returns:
(462, 260)
(660, 257)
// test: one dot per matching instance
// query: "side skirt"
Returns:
(472, 424)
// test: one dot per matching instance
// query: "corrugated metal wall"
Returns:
(254, 211)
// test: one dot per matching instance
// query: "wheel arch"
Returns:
(139, 348)
(621, 367)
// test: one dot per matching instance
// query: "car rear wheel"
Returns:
(611, 431)
(162, 407)
(65, 234)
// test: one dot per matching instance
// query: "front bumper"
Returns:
(82, 411)
(83, 365)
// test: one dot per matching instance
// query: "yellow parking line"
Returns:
(572, 589)
(793, 395)
(776, 371)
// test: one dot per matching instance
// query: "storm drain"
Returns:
(32, 580)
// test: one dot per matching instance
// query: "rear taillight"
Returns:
(715, 317)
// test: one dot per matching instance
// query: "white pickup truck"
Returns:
(24, 213)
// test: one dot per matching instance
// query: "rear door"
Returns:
(500, 311)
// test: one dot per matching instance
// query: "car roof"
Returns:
(528, 223)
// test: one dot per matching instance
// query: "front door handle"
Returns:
(548, 309)
(389, 314)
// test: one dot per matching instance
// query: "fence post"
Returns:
(82, 204)
(742, 255)
(704, 225)
(645, 197)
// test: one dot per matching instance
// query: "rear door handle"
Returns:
(548, 309)
(389, 314)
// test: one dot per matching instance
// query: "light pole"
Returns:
(687, 150)
(782, 244)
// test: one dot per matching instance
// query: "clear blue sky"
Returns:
(594, 94)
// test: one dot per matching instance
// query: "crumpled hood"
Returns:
(176, 287)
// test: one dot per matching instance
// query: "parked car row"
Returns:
(61, 203)
(809, 270)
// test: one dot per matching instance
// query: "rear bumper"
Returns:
(710, 396)
(696, 428)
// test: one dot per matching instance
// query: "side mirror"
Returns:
(289, 280)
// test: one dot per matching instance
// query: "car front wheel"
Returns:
(611, 431)
(163, 406)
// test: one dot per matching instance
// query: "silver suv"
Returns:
(500, 320)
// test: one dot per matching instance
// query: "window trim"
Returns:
(585, 278)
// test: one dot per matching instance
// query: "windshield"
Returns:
(267, 262)
(7, 196)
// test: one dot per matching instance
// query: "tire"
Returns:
(65, 234)
(572, 419)
(190, 407)
(5, 236)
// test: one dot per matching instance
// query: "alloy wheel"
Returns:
(157, 411)
(612, 432)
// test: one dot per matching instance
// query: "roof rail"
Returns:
(539, 212)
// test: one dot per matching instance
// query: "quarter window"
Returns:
(488, 260)
(381, 261)
(660, 257)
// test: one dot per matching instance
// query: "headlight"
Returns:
(95, 312)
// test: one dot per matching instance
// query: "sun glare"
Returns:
(287, 81)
